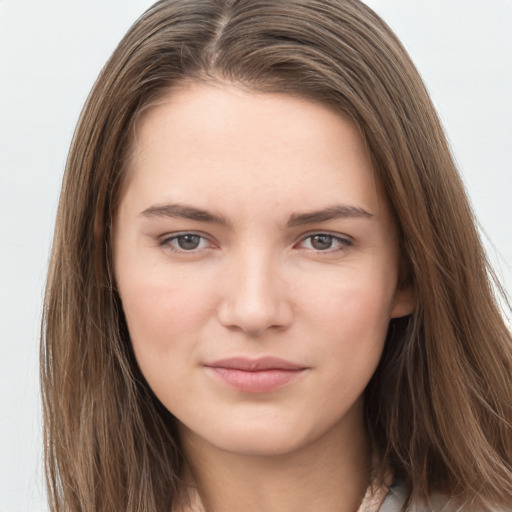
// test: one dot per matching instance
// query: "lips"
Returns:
(262, 375)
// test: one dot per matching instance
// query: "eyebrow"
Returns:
(330, 213)
(179, 211)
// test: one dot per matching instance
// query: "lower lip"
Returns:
(263, 381)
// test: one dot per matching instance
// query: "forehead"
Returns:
(219, 141)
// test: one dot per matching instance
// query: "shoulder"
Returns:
(439, 502)
(395, 499)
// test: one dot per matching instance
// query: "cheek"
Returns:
(164, 313)
(351, 316)
(357, 300)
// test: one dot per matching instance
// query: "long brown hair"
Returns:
(439, 406)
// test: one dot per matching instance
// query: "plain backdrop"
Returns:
(50, 55)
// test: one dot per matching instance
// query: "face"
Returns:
(257, 263)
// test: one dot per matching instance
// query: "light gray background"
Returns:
(50, 54)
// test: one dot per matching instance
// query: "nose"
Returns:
(255, 297)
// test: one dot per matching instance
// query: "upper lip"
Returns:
(254, 365)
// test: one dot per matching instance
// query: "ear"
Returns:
(404, 301)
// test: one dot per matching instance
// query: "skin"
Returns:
(259, 283)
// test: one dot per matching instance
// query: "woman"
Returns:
(267, 291)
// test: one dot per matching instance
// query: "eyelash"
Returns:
(342, 243)
(167, 242)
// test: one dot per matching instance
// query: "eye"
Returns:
(324, 242)
(186, 242)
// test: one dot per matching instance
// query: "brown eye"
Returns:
(188, 242)
(324, 242)
(321, 242)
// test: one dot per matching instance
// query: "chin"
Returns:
(258, 443)
(262, 436)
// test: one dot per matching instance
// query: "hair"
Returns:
(439, 406)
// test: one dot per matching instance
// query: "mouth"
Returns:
(262, 375)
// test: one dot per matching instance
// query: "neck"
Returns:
(329, 474)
